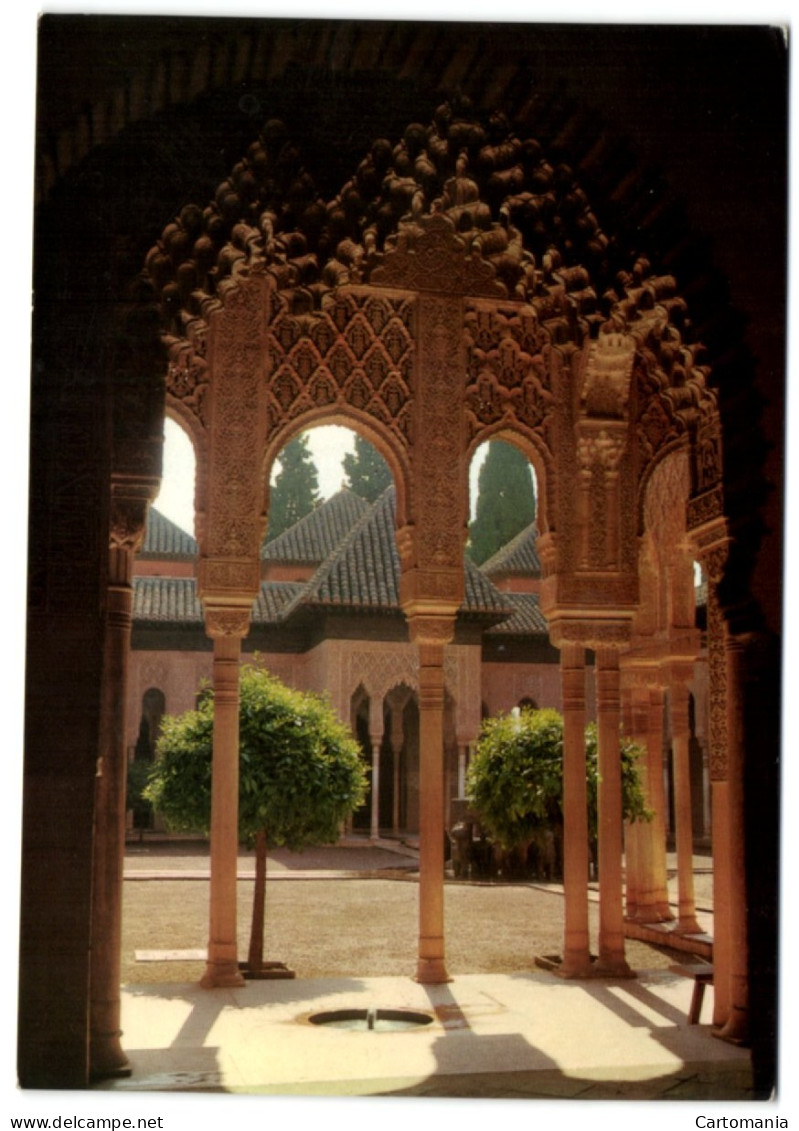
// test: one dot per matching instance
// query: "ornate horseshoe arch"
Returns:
(457, 288)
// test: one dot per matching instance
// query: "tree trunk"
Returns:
(255, 957)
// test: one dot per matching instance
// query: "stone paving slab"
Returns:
(528, 1034)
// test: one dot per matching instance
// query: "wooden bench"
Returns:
(702, 975)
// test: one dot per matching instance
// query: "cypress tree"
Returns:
(368, 474)
(296, 489)
(505, 501)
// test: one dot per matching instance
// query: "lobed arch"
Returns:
(536, 452)
(72, 453)
(197, 436)
(368, 428)
(679, 448)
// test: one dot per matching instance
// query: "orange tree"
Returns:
(515, 779)
(300, 774)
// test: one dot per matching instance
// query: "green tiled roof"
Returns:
(162, 600)
(526, 618)
(517, 557)
(164, 538)
(270, 604)
(360, 574)
(316, 536)
(364, 572)
(174, 600)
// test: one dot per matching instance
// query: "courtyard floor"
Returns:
(344, 920)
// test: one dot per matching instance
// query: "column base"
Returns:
(107, 1059)
(219, 975)
(650, 915)
(687, 927)
(612, 968)
(431, 972)
(736, 1029)
(576, 966)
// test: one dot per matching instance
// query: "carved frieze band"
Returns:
(590, 634)
(381, 670)
(439, 521)
(506, 366)
(235, 488)
(187, 374)
(428, 256)
(232, 577)
(705, 507)
(600, 448)
(358, 351)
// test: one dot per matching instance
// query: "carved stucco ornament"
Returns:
(430, 257)
(606, 373)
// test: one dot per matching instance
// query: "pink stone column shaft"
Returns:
(611, 908)
(634, 844)
(683, 825)
(374, 827)
(222, 968)
(376, 725)
(431, 967)
(658, 900)
(106, 1056)
(576, 948)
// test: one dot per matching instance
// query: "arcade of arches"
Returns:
(458, 287)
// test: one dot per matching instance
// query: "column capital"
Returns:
(222, 621)
(591, 632)
(430, 627)
(128, 520)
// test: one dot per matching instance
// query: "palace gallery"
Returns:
(570, 239)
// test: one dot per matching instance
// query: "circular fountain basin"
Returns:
(372, 1020)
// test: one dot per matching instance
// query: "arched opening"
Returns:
(175, 499)
(574, 310)
(359, 721)
(153, 709)
(502, 498)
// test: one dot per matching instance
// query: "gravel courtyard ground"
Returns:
(340, 927)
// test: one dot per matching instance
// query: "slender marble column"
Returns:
(396, 738)
(659, 899)
(463, 762)
(222, 968)
(106, 1056)
(374, 826)
(431, 967)
(634, 843)
(376, 725)
(576, 952)
(683, 825)
(611, 908)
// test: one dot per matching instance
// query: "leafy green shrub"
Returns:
(300, 774)
(137, 778)
(300, 769)
(515, 779)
